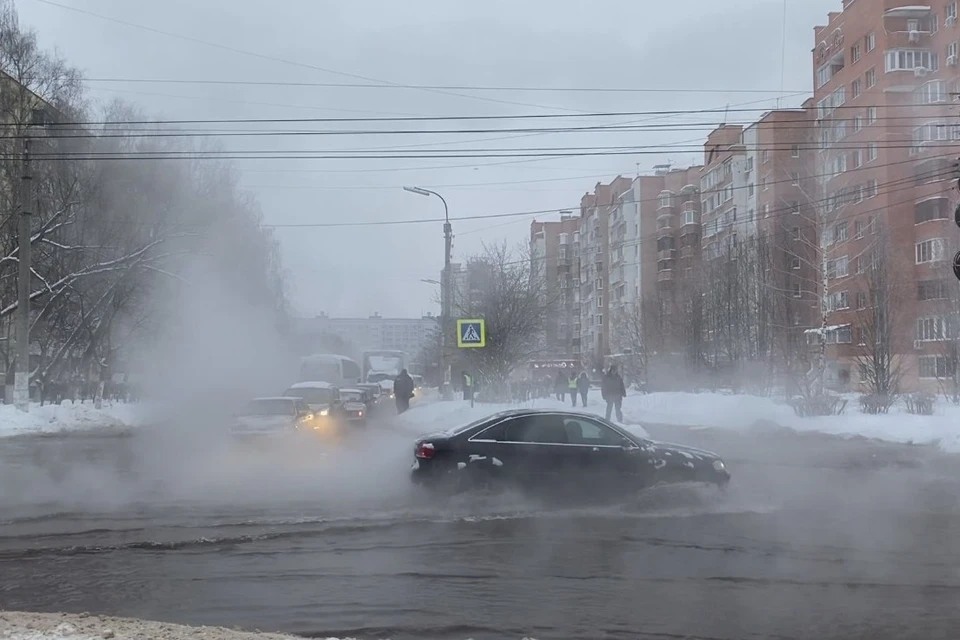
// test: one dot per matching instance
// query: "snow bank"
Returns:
(61, 626)
(432, 415)
(55, 418)
(717, 410)
(744, 412)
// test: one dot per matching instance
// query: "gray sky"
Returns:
(725, 47)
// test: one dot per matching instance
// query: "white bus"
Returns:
(328, 367)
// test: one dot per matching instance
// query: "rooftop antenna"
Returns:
(638, 169)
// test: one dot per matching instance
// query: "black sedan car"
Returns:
(573, 453)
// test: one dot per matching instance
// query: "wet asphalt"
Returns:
(817, 537)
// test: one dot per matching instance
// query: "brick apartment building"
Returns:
(596, 210)
(885, 72)
(555, 249)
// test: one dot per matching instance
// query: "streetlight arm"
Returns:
(420, 191)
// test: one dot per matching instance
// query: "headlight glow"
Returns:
(718, 465)
(325, 412)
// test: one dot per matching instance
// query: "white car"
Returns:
(273, 416)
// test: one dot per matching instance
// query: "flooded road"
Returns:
(816, 538)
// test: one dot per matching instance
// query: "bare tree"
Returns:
(505, 288)
(879, 313)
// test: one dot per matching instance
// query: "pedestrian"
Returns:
(403, 391)
(572, 388)
(560, 386)
(467, 386)
(583, 386)
(613, 392)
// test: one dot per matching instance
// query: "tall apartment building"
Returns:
(884, 73)
(595, 216)
(668, 253)
(555, 253)
(374, 332)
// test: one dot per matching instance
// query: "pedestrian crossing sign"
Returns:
(471, 334)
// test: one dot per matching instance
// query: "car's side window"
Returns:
(540, 429)
(583, 431)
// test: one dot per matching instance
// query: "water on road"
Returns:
(817, 537)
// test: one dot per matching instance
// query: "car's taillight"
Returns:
(425, 451)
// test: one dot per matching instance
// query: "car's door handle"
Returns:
(596, 449)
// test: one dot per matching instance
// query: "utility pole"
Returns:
(445, 294)
(21, 380)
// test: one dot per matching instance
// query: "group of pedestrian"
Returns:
(612, 389)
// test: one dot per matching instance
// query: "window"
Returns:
(861, 299)
(871, 115)
(795, 151)
(934, 92)
(797, 289)
(750, 189)
(858, 227)
(858, 264)
(856, 88)
(951, 12)
(952, 50)
(599, 302)
(689, 217)
(840, 232)
(666, 199)
(588, 432)
(838, 268)
(795, 262)
(843, 335)
(932, 329)
(870, 77)
(599, 284)
(795, 179)
(871, 42)
(765, 184)
(827, 106)
(838, 301)
(795, 208)
(909, 59)
(933, 209)
(931, 290)
(913, 25)
(857, 159)
(764, 156)
(873, 189)
(936, 367)
(930, 250)
(855, 53)
(871, 152)
(857, 123)
(795, 232)
(765, 209)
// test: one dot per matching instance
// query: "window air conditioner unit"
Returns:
(951, 21)
(914, 36)
(951, 61)
(920, 72)
(918, 344)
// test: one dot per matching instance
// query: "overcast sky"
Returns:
(701, 53)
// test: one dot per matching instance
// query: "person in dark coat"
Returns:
(613, 391)
(560, 386)
(583, 386)
(403, 391)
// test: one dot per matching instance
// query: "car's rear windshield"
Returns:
(351, 396)
(270, 407)
(311, 395)
(379, 377)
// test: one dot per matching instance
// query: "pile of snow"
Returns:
(721, 411)
(61, 626)
(431, 414)
(55, 418)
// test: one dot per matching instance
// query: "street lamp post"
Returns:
(445, 391)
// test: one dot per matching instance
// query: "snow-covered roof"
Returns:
(907, 11)
(312, 384)
(275, 398)
(351, 390)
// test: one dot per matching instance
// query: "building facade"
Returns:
(359, 334)
(885, 73)
(555, 253)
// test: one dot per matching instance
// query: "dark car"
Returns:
(572, 453)
(355, 404)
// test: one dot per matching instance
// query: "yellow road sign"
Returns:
(471, 334)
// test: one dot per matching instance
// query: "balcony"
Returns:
(690, 229)
(665, 276)
(666, 254)
(665, 231)
(687, 252)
